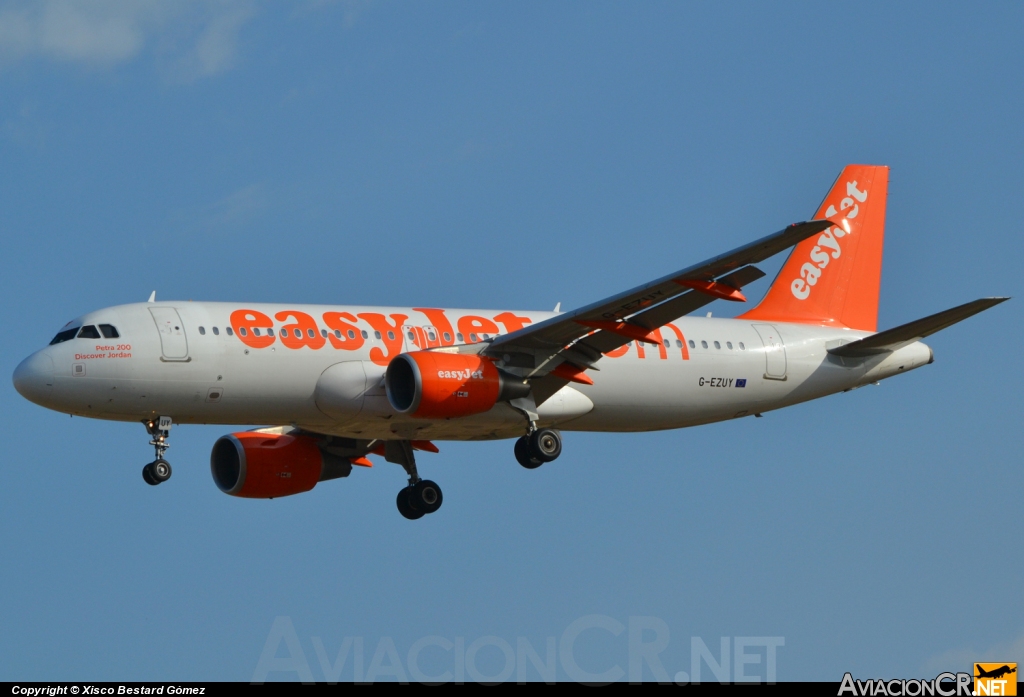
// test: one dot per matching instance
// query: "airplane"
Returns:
(340, 383)
(995, 673)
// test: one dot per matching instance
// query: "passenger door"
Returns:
(774, 351)
(172, 333)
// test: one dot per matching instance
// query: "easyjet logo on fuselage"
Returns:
(828, 247)
(296, 330)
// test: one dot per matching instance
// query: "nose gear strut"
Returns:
(159, 470)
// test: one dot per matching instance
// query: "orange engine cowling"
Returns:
(435, 385)
(264, 465)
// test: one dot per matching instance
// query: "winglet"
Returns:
(152, 297)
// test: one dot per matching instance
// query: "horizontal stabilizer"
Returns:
(898, 337)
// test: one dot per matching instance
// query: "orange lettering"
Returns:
(620, 351)
(662, 353)
(351, 339)
(682, 340)
(439, 321)
(392, 343)
(471, 324)
(303, 332)
(512, 322)
(247, 322)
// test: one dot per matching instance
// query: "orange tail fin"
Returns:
(834, 278)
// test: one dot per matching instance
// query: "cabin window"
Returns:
(88, 332)
(431, 336)
(679, 344)
(376, 335)
(351, 334)
(704, 344)
(728, 345)
(242, 331)
(270, 331)
(284, 332)
(229, 331)
(692, 345)
(202, 330)
(216, 332)
(668, 343)
(310, 333)
(472, 338)
(718, 345)
(391, 336)
(742, 347)
(459, 337)
(65, 335)
(365, 335)
(412, 337)
(255, 331)
(447, 337)
(323, 333)
(109, 331)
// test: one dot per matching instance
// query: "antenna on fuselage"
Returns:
(152, 297)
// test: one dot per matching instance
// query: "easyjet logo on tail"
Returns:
(828, 247)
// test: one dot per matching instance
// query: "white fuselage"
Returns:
(168, 360)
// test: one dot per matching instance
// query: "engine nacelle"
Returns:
(436, 385)
(267, 465)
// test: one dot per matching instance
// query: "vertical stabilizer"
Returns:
(834, 278)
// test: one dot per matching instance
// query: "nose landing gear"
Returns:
(159, 470)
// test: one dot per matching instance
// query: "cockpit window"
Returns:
(109, 331)
(88, 332)
(65, 335)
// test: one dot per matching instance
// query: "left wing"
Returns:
(580, 337)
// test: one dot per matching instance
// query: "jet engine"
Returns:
(259, 465)
(436, 385)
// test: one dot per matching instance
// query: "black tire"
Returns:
(545, 444)
(426, 496)
(522, 451)
(404, 508)
(147, 474)
(160, 470)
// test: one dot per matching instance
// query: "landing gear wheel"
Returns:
(545, 444)
(425, 496)
(404, 508)
(522, 451)
(160, 470)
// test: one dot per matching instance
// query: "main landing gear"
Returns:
(540, 446)
(422, 496)
(159, 470)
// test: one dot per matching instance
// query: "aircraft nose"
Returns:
(33, 378)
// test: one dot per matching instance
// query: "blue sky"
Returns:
(513, 156)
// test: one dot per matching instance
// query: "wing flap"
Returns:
(905, 334)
